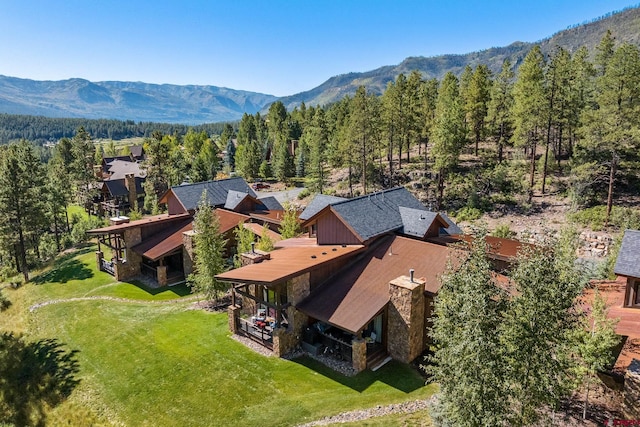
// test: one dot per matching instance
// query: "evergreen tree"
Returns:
(529, 107)
(499, 110)
(467, 360)
(448, 131)
(290, 226)
(82, 167)
(595, 341)
(536, 330)
(230, 156)
(477, 103)
(21, 204)
(316, 138)
(208, 252)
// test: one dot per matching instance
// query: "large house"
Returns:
(359, 284)
(122, 184)
(161, 246)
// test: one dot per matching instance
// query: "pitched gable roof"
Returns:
(416, 222)
(270, 203)
(318, 203)
(628, 262)
(189, 195)
(452, 229)
(115, 187)
(377, 213)
(119, 168)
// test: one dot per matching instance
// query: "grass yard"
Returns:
(143, 364)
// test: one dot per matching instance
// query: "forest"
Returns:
(566, 125)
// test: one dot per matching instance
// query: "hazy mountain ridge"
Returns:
(137, 101)
(625, 26)
(193, 104)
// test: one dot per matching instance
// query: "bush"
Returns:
(594, 217)
(4, 302)
(79, 230)
(304, 193)
(503, 231)
(48, 247)
(468, 214)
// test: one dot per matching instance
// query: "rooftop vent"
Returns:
(411, 272)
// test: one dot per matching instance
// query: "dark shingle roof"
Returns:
(628, 262)
(189, 195)
(116, 188)
(270, 203)
(377, 213)
(137, 151)
(119, 168)
(234, 198)
(416, 222)
(453, 229)
(318, 203)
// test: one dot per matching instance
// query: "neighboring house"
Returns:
(161, 246)
(122, 186)
(360, 284)
(628, 265)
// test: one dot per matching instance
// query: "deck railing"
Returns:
(257, 333)
(107, 266)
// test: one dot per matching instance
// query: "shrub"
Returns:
(594, 217)
(48, 247)
(79, 230)
(468, 214)
(503, 231)
(304, 193)
(4, 302)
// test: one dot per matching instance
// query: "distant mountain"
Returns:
(624, 25)
(127, 101)
(77, 98)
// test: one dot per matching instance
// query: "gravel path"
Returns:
(378, 411)
(108, 298)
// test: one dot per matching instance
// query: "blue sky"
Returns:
(276, 47)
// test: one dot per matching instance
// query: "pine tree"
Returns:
(499, 110)
(595, 341)
(448, 133)
(21, 204)
(467, 360)
(477, 103)
(208, 251)
(528, 107)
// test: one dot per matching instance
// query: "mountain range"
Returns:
(79, 98)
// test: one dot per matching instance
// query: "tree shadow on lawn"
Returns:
(394, 374)
(68, 270)
(34, 376)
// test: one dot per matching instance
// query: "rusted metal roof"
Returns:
(165, 242)
(257, 229)
(274, 217)
(355, 295)
(150, 220)
(230, 220)
(499, 248)
(286, 263)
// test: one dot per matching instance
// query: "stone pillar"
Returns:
(233, 312)
(187, 252)
(359, 354)
(162, 275)
(298, 288)
(99, 257)
(406, 318)
(631, 393)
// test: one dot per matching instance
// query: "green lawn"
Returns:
(163, 364)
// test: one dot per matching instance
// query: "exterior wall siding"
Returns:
(331, 231)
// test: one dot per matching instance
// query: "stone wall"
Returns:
(406, 319)
(298, 288)
(233, 312)
(631, 394)
(187, 252)
(594, 245)
(359, 354)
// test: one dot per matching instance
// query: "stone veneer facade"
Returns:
(187, 252)
(406, 320)
(631, 394)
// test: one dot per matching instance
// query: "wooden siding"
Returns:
(332, 231)
(174, 206)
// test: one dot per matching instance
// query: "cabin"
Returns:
(628, 266)
(360, 284)
(161, 247)
(121, 187)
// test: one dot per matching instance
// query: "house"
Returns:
(161, 246)
(360, 284)
(122, 186)
(628, 266)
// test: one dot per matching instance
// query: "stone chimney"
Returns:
(406, 318)
(130, 184)
(254, 256)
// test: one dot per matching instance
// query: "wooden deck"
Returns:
(629, 320)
